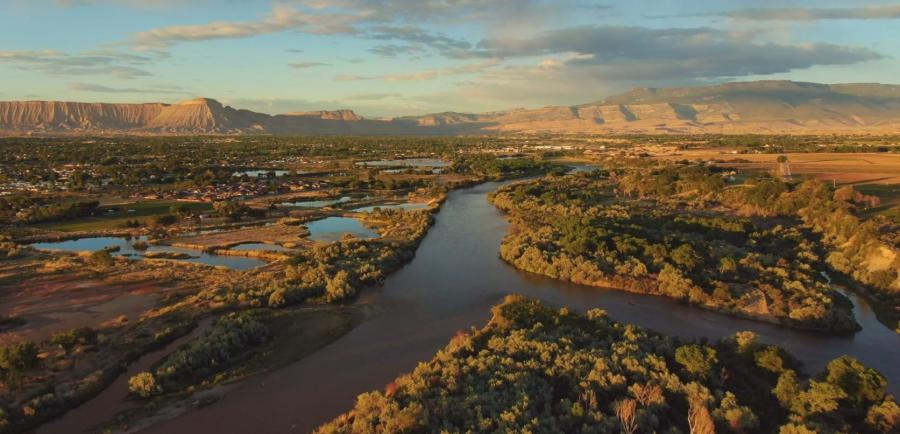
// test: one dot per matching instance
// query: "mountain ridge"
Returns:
(771, 106)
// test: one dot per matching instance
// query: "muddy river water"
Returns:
(450, 285)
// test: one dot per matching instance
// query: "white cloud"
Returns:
(428, 74)
(281, 19)
(98, 88)
(888, 12)
(307, 65)
(116, 64)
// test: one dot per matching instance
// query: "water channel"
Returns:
(450, 285)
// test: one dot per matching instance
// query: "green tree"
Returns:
(685, 256)
(696, 359)
(862, 384)
(338, 287)
(787, 388)
(819, 398)
(769, 358)
(884, 417)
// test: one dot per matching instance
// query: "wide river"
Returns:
(451, 284)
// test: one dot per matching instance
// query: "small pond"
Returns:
(125, 248)
(321, 203)
(334, 228)
(259, 173)
(260, 246)
(582, 167)
(403, 206)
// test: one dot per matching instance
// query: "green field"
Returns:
(143, 212)
(888, 193)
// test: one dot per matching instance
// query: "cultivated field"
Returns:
(842, 168)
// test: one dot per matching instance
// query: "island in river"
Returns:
(755, 249)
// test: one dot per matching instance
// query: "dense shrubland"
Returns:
(228, 341)
(33, 385)
(490, 166)
(536, 369)
(335, 271)
(755, 249)
(34, 211)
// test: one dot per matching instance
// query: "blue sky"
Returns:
(389, 58)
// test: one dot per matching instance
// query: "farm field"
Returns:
(841, 168)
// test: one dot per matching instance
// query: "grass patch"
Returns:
(143, 212)
(888, 193)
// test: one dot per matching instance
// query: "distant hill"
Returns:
(748, 107)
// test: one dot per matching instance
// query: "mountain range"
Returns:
(783, 107)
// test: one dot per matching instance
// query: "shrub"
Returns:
(18, 357)
(165, 220)
(72, 337)
(101, 258)
(144, 385)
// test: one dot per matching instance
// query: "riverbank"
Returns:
(296, 333)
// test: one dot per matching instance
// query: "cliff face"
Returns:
(75, 116)
(753, 107)
(207, 116)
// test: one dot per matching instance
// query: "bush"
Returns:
(72, 337)
(18, 357)
(165, 220)
(101, 258)
(144, 385)
(229, 340)
(339, 287)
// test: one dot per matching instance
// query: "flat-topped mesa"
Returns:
(204, 115)
(75, 116)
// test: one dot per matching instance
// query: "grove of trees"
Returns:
(538, 369)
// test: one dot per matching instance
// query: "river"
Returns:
(450, 285)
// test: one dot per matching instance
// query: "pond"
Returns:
(404, 206)
(581, 167)
(260, 246)
(319, 203)
(408, 162)
(257, 173)
(126, 248)
(332, 229)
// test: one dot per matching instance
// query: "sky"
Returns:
(386, 58)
